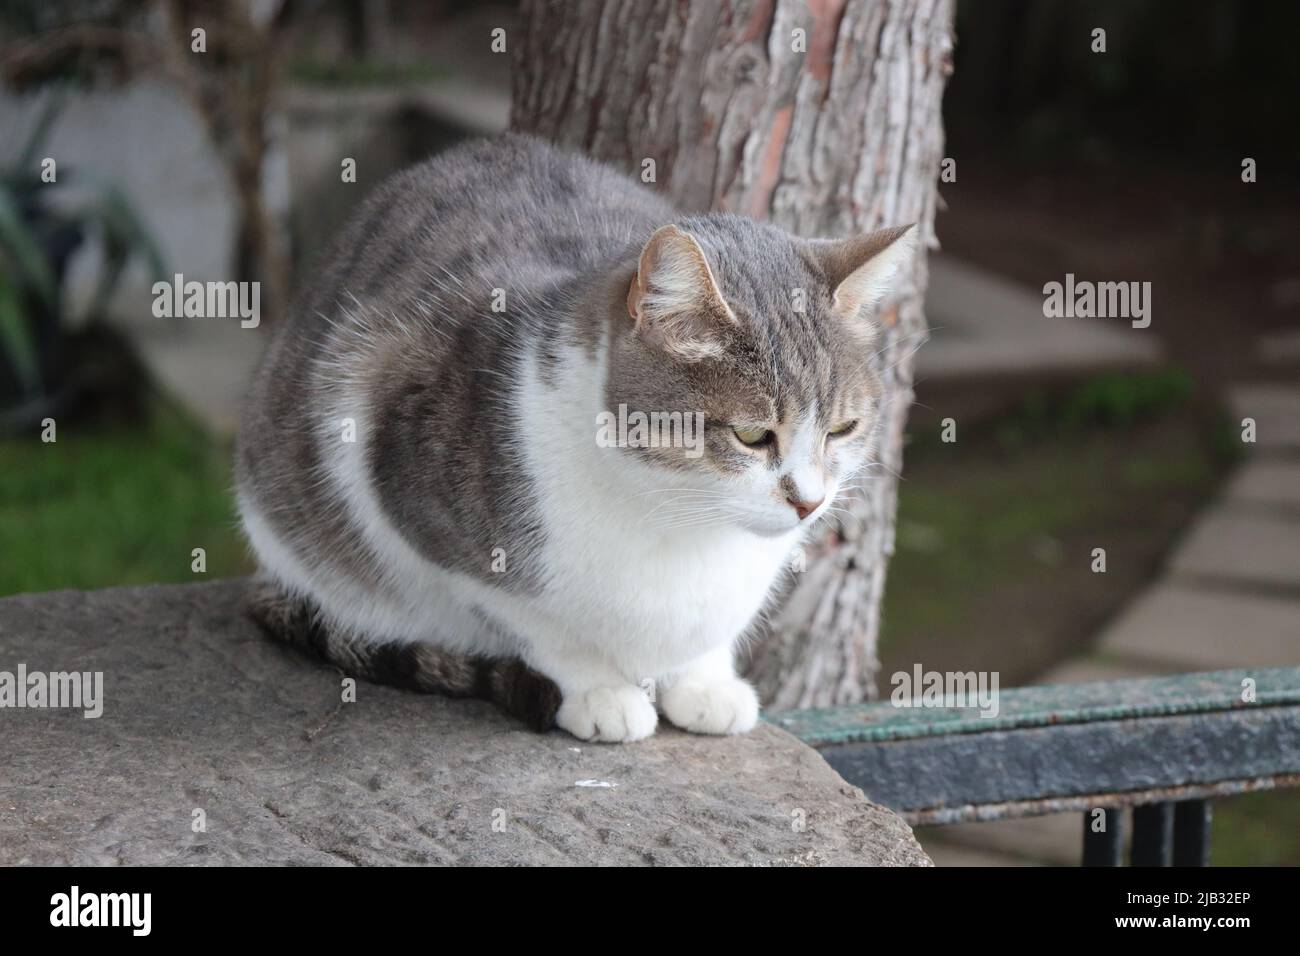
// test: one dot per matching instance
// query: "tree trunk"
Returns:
(822, 117)
(232, 88)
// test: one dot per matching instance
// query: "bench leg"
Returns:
(1192, 833)
(1153, 835)
(1105, 848)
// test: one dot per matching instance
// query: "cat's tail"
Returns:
(509, 683)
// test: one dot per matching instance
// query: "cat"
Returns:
(425, 469)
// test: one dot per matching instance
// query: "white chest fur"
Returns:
(652, 598)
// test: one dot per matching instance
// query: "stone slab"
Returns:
(201, 713)
(985, 324)
(1267, 481)
(1054, 839)
(1200, 628)
(1275, 409)
(1242, 546)
(1087, 670)
(955, 855)
(1279, 348)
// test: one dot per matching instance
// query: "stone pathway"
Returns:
(984, 325)
(1229, 597)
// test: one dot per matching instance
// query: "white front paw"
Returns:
(727, 706)
(610, 714)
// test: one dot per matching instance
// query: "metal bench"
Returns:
(1164, 746)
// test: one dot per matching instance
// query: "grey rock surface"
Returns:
(201, 713)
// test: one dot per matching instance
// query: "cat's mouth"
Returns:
(773, 527)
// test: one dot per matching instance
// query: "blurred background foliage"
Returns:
(53, 362)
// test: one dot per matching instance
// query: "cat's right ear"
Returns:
(675, 300)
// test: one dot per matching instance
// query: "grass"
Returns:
(116, 505)
(349, 73)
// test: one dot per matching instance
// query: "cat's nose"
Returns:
(804, 508)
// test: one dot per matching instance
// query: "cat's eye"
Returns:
(754, 436)
(839, 431)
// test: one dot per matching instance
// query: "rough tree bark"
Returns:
(827, 132)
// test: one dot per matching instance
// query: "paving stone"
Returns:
(1197, 628)
(1243, 546)
(1279, 347)
(985, 324)
(1267, 481)
(952, 854)
(1086, 670)
(1275, 409)
(1056, 840)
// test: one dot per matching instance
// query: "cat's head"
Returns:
(769, 338)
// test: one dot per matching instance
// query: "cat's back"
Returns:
(508, 212)
(437, 247)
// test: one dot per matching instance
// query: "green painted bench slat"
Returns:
(1044, 706)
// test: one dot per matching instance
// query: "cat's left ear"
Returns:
(862, 270)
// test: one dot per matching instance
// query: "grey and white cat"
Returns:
(420, 470)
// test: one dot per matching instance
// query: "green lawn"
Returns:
(116, 505)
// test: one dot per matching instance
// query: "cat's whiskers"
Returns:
(683, 495)
(881, 464)
(692, 523)
(687, 507)
(675, 507)
(833, 515)
(689, 514)
(665, 491)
